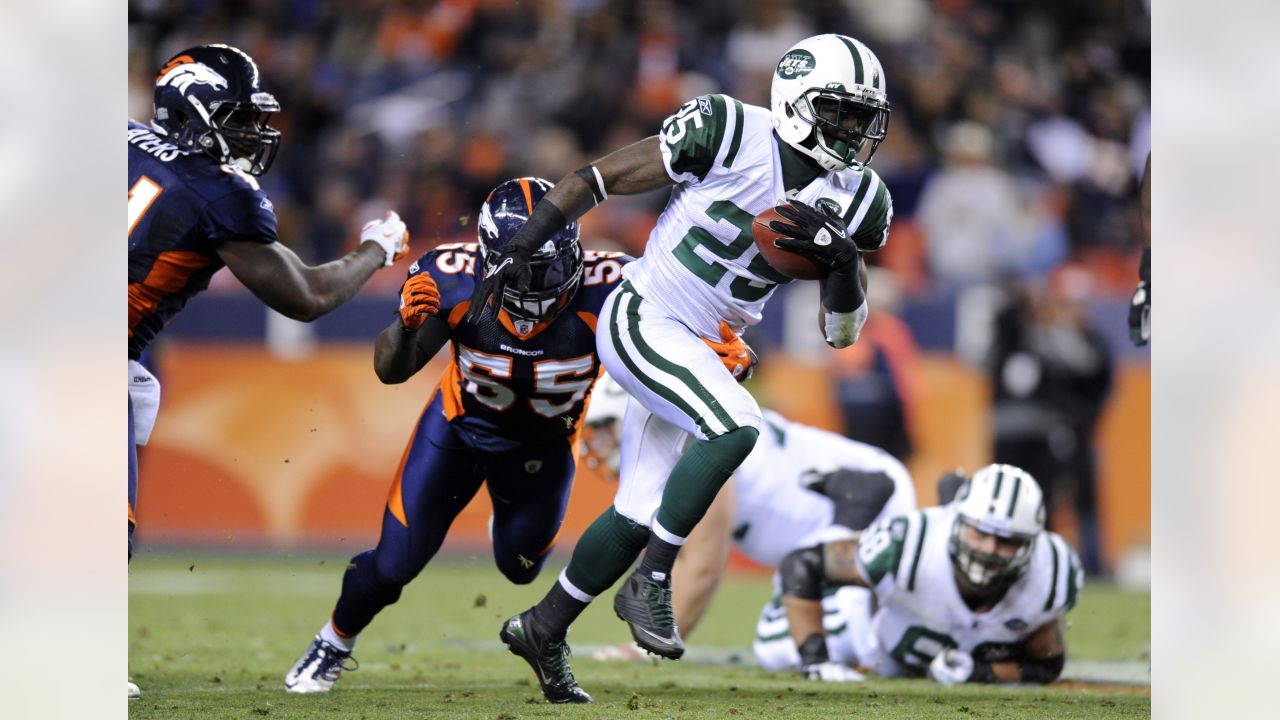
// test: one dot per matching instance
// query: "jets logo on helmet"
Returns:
(828, 101)
(795, 64)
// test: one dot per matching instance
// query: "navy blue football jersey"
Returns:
(182, 206)
(513, 383)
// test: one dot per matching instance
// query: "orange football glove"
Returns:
(738, 357)
(419, 300)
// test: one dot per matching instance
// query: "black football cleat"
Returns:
(548, 658)
(645, 604)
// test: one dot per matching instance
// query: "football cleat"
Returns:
(318, 668)
(645, 604)
(549, 658)
(134, 692)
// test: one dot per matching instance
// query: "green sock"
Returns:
(698, 476)
(605, 552)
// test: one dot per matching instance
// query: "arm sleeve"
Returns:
(880, 555)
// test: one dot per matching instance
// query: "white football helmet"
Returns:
(1004, 501)
(602, 431)
(828, 101)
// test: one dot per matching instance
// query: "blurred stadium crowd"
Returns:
(1017, 140)
(1017, 136)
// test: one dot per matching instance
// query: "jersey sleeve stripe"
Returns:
(856, 203)
(737, 135)
(915, 563)
(1053, 577)
(865, 199)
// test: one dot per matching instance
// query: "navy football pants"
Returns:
(439, 475)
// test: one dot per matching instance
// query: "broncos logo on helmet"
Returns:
(208, 99)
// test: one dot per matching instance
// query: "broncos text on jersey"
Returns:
(512, 383)
(182, 206)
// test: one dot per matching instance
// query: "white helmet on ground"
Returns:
(829, 101)
(1002, 501)
(602, 431)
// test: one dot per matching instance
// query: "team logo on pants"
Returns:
(532, 466)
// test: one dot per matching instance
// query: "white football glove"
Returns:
(831, 672)
(951, 667)
(390, 234)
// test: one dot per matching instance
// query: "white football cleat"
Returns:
(318, 668)
(134, 692)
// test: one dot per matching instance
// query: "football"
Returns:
(793, 265)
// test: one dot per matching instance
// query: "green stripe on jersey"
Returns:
(911, 581)
(654, 386)
(737, 134)
(875, 223)
(1053, 579)
(864, 184)
(857, 59)
(680, 373)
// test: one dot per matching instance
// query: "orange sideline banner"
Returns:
(253, 451)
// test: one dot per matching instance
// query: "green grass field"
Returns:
(212, 637)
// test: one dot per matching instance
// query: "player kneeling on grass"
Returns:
(973, 591)
(799, 486)
(506, 413)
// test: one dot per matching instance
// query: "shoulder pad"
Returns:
(704, 132)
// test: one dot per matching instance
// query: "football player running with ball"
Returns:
(701, 269)
(505, 414)
(973, 591)
(195, 206)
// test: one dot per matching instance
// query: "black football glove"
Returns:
(819, 235)
(511, 267)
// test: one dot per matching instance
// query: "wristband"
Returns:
(591, 176)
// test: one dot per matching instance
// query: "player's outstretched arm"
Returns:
(278, 277)
(805, 574)
(635, 168)
(415, 336)
(701, 564)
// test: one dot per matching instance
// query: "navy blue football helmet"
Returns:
(210, 99)
(556, 266)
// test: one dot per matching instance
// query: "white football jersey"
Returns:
(774, 513)
(701, 263)
(921, 612)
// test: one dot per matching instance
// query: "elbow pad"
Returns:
(842, 329)
(802, 573)
(1041, 670)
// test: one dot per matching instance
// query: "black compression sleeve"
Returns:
(545, 220)
(842, 290)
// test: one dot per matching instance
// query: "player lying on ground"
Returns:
(700, 270)
(973, 591)
(195, 206)
(505, 414)
(799, 486)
